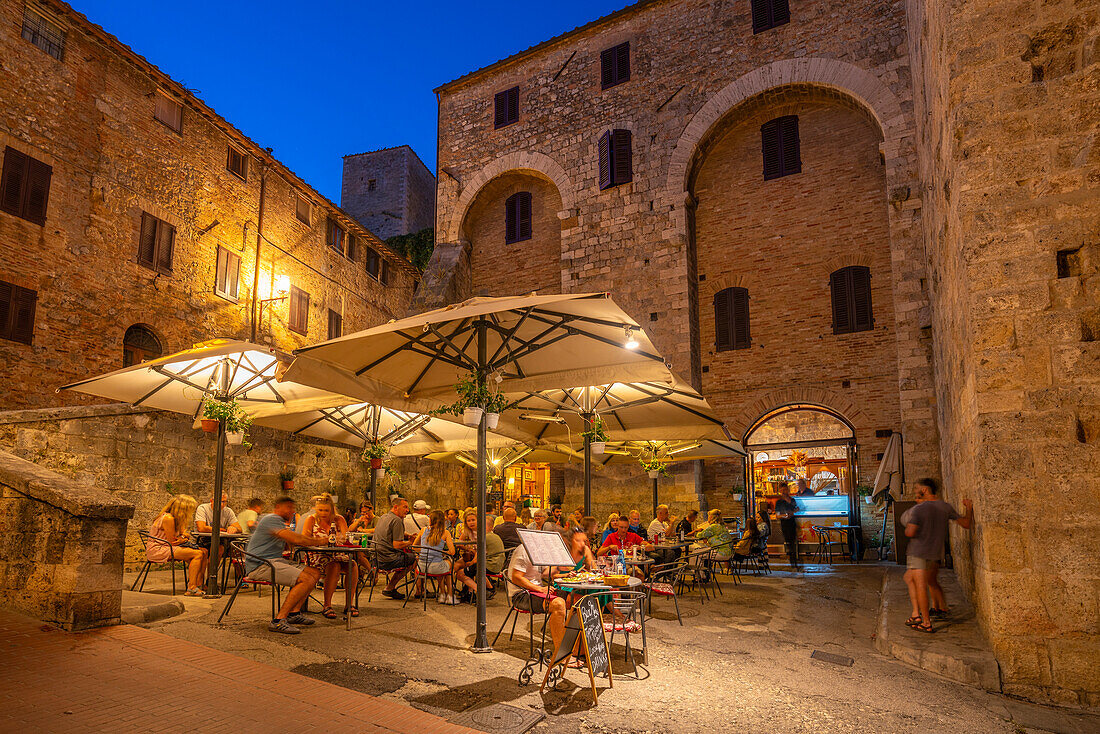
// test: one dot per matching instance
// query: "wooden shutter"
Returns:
(511, 219)
(770, 150)
(12, 181)
(838, 286)
(605, 160)
(608, 59)
(147, 241)
(227, 277)
(780, 11)
(17, 308)
(166, 240)
(524, 216)
(739, 307)
(622, 62)
(353, 245)
(372, 262)
(301, 209)
(38, 191)
(768, 14)
(386, 273)
(335, 324)
(168, 111)
(723, 320)
(506, 107)
(862, 318)
(789, 146)
(621, 159)
(299, 310)
(513, 104)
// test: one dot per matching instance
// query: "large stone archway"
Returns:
(531, 162)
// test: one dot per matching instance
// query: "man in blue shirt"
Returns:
(268, 541)
(636, 523)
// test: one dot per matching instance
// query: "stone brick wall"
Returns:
(1008, 102)
(144, 457)
(403, 198)
(61, 546)
(650, 242)
(90, 117)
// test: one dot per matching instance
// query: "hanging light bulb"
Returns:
(631, 342)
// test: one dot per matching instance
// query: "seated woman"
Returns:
(466, 561)
(430, 546)
(716, 535)
(364, 522)
(763, 523)
(748, 542)
(611, 526)
(171, 527)
(325, 522)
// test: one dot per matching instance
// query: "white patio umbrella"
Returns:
(220, 370)
(520, 344)
(888, 484)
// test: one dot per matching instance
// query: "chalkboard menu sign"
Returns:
(585, 622)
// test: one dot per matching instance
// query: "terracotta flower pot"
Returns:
(376, 463)
(210, 425)
(288, 484)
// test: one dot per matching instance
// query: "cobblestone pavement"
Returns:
(742, 661)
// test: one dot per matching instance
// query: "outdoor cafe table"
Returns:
(223, 556)
(349, 589)
(588, 586)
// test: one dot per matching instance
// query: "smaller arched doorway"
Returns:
(139, 345)
(814, 443)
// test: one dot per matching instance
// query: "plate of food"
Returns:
(582, 577)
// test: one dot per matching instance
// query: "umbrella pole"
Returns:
(587, 466)
(373, 488)
(654, 496)
(481, 638)
(212, 591)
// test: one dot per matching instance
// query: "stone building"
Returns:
(390, 191)
(137, 221)
(883, 212)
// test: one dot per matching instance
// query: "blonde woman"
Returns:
(171, 528)
(432, 543)
(325, 521)
(610, 528)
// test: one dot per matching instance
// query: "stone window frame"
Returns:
(222, 278)
(132, 346)
(242, 156)
(503, 103)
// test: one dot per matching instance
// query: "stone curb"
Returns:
(152, 612)
(981, 670)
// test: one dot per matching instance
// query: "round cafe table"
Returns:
(224, 539)
(349, 591)
(631, 582)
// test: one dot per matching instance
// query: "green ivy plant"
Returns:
(416, 246)
(236, 420)
(595, 432)
(471, 394)
(374, 451)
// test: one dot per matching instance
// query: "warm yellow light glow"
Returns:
(684, 448)
(282, 286)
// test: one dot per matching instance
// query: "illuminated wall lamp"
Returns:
(279, 291)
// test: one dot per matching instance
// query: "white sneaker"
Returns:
(441, 599)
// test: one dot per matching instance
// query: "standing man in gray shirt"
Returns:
(926, 526)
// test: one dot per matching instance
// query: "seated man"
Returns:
(204, 518)
(662, 524)
(508, 504)
(247, 519)
(268, 541)
(390, 545)
(524, 576)
(636, 523)
(507, 528)
(622, 538)
(495, 551)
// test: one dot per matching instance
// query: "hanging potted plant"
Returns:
(374, 453)
(236, 420)
(472, 399)
(654, 467)
(211, 411)
(286, 476)
(865, 492)
(494, 406)
(597, 437)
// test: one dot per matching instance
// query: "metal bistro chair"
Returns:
(700, 571)
(143, 574)
(238, 555)
(421, 575)
(823, 553)
(498, 578)
(628, 617)
(376, 571)
(514, 610)
(666, 580)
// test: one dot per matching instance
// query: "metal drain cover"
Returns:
(499, 717)
(828, 657)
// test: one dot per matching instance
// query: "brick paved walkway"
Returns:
(131, 679)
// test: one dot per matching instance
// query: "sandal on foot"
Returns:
(938, 613)
(913, 621)
(354, 611)
(927, 628)
(328, 613)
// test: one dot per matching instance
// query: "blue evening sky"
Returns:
(321, 79)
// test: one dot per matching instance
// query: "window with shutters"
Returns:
(168, 111)
(336, 236)
(25, 186)
(780, 148)
(374, 263)
(615, 65)
(17, 305)
(517, 217)
(302, 209)
(731, 320)
(140, 344)
(299, 311)
(43, 32)
(353, 247)
(768, 14)
(506, 107)
(237, 163)
(387, 273)
(155, 244)
(616, 165)
(851, 293)
(335, 325)
(227, 275)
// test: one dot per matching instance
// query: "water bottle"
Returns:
(621, 565)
